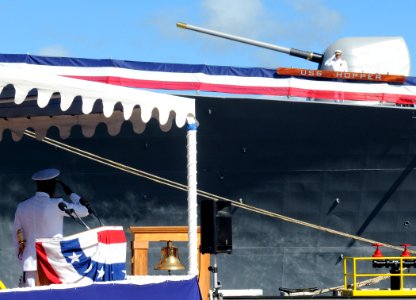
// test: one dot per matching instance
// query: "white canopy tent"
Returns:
(40, 100)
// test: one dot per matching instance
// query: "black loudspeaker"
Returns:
(216, 227)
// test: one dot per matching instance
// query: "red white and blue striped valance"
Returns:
(96, 255)
(220, 79)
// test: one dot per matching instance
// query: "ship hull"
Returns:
(343, 167)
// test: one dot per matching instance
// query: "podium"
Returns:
(140, 250)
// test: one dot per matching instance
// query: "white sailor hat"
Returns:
(46, 174)
(338, 51)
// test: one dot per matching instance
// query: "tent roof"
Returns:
(40, 100)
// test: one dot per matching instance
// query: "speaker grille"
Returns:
(216, 227)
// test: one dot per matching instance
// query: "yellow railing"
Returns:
(351, 274)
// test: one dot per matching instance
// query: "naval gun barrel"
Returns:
(312, 56)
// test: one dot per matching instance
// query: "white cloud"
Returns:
(53, 50)
(309, 25)
(303, 21)
(320, 22)
(304, 24)
(236, 16)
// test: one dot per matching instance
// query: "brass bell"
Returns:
(169, 259)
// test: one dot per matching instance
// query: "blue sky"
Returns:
(146, 30)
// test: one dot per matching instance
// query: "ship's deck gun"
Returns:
(312, 56)
(377, 55)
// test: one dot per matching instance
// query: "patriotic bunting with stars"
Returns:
(95, 255)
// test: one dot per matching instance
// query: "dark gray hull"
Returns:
(348, 168)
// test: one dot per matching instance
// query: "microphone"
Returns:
(85, 203)
(91, 211)
(62, 206)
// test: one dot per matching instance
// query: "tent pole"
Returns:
(192, 194)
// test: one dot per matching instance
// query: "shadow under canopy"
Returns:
(38, 100)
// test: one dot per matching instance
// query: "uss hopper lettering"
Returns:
(307, 72)
(361, 76)
(341, 75)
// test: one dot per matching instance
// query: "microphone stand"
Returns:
(214, 293)
(83, 223)
(62, 206)
(91, 211)
(95, 215)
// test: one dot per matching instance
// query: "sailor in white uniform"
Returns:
(41, 217)
(336, 63)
